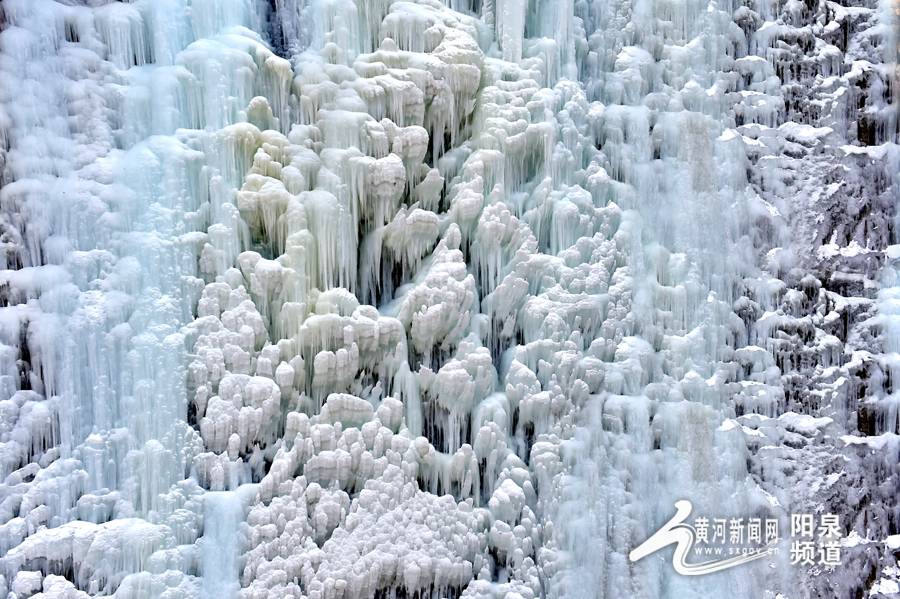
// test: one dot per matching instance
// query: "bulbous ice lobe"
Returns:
(368, 299)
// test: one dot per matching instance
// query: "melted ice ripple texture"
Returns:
(357, 298)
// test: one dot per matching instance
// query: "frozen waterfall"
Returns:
(223, 513)
(344, 299)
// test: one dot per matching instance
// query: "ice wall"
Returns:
(352, 298)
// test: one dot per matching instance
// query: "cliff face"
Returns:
(352, 298)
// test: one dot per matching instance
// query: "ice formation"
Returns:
(359, 298)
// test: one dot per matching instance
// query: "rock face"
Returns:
(352, 298)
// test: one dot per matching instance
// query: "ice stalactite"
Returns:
(350, 298)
